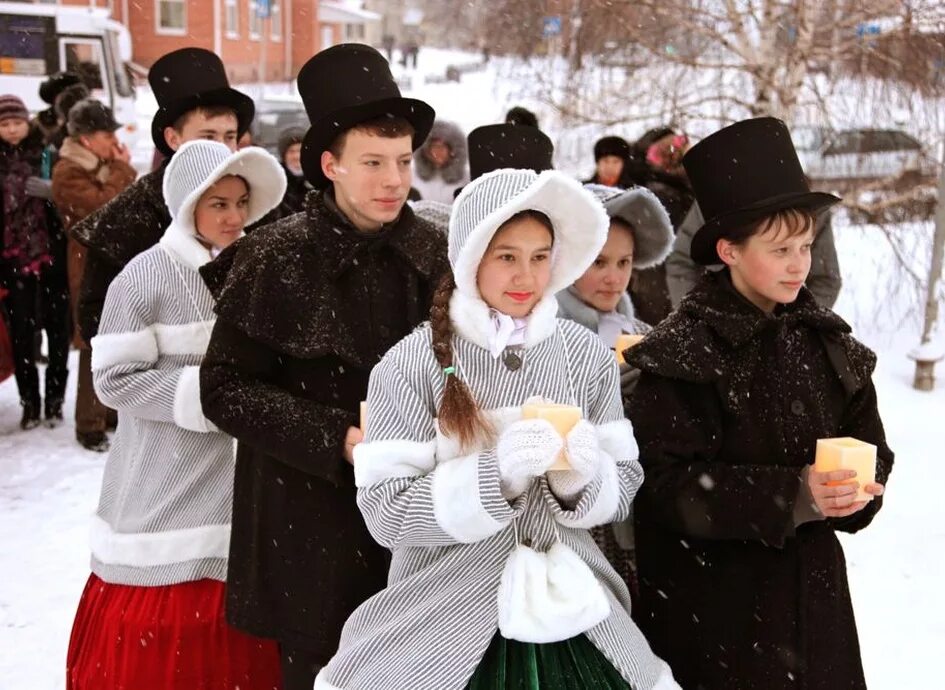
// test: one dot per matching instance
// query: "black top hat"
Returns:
(743, 173)
(189, 78)
(494, 147)
(56, 84)
(611, 146)
(344, 86)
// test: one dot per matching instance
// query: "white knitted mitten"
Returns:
(583, 456)
(526, 449)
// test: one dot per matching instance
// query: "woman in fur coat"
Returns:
(495, 581)
(152, 613)
(440, 165)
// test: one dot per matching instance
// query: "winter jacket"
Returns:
(438, 184)
(441, 510)
(155, 328)
(117, 232)
(733, 592)
(81, 184)
(824, 281)
(305, 309)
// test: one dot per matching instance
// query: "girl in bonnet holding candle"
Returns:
(495, 581)
(742, 579)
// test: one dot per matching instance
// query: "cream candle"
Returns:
(562, 418)
(848, 454)
(625, 342)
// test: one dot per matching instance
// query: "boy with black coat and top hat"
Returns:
(195, 101)
(304, 312)
(742, 579)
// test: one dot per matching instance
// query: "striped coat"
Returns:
(164, 512)
(441, 512)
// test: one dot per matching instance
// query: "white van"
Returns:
(39, 40)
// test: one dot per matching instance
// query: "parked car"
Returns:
(275, 114)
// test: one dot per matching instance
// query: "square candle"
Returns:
(625, 342)
(848, 454)
(562, 418)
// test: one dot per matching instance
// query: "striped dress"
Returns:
(164, 511)
(441, 512)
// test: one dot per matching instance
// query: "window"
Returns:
(255, 22)
(275, 20)
(231, 16)
(171, 17)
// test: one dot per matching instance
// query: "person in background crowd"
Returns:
(68, 97)
(614, 164)
(440, 164)
(661, 151)
(48, 120)
(195, 101)
(32, 265)
(518, 115)
(639, 235)
(305, 309)
(742, 578)
(290, 155)
(92, 169)
(152, 612)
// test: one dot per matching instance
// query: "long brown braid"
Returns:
(459, 414)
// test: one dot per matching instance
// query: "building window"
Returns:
(275, 20)
(171, 17)
(255, 22)
(232, 18)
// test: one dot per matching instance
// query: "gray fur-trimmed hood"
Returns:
(452, 135)
(652, 229)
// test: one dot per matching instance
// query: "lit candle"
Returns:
(848, 454)
(562, 418)
(625, 342)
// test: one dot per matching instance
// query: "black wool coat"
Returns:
(129, 224)
(727, 413)
(305, 310)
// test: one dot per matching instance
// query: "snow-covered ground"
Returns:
(49, 485)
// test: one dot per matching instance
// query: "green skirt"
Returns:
(574, 664)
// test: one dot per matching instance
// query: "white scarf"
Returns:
(506, 331)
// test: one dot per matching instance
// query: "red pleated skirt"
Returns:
(164, 638)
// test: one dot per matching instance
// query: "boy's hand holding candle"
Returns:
(842, 480)
(352, 438)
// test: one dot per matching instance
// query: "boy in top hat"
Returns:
(195, 101)
(742, 577)
(304, 312)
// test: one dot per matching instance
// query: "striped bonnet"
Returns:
(652, 229)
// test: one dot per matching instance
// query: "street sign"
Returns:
(263, 9)
(551, 26)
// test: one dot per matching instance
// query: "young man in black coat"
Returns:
(195, 101)
(305, 310)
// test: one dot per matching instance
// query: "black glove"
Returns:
(628, 380)
(38, 187)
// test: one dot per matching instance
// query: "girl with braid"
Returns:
(495, 581)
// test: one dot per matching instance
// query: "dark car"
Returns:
(274, 115)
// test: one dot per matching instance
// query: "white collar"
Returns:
(473, 321)
(184, 247)
(507, 331)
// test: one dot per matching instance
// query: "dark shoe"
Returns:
(93, 440)
(53, 414)
(30, 418)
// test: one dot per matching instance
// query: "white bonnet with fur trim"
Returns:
(200, 164)
(579, 221)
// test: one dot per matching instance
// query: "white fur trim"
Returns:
(549, 597)
(607, 502)
(665, 680)
(616, 438)
(472, 322)
(182, 246)
(183, 339)
(376, 461)
(457, 506)
(321, 682)
(188, 412)
(578, 218)
(151, 549)
(110, 349)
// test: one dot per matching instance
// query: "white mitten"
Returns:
(583, 452)
(526, 449)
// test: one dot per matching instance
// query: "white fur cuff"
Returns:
(150, 549)
(616, 438)
(377, 461)
(457, 501)
(606, 503)
(110, 349)
(188, 413)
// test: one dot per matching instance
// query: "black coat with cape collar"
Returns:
(733, 592)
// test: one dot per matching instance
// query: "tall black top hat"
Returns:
(186, 79)
(743, 173)
(56, 84)
(344, 86)
(494, 147)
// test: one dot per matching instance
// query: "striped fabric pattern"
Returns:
(164, 512)
(451, 532)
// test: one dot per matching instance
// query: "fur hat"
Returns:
(56, 84)
(611, 146)
(198, 165)
(579, 221)
(451, 135)
(289, 136)
(641, 209)
(521, 116)
(68, 97)
(89, 116)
